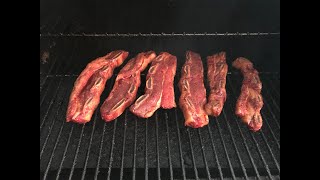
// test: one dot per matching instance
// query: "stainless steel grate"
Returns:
(159, 147)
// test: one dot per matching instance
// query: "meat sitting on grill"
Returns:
(193, 92)
(85, 95)
(159, 89)
(168, 98)
(126, 86)
(217, 73)
(250, 100)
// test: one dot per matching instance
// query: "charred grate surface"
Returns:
(159, 147)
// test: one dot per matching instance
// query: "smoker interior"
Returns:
(157, 16)
(74, 32)
(160, 147)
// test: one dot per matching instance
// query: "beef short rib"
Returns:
(126, 86)
(85, 95)
(193, 92)
(250, 101)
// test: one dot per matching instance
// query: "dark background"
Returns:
(123, 16)
(167, 16)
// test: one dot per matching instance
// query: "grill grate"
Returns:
(56, 129)
(184, 34)
(159, 147)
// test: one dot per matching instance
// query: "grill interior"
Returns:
(159, 147)
(156, 16)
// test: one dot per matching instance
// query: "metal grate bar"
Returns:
(272, 134)
(112, 146)
(45, 93)
(272, 114)
(168, 144)
(204, 155)
(262, 158)
(272, 155)
(269, 109)
(91, 136)
(158, 34)
(58, 67)
(273, 101)
(215, 153)
(234, 145)
(247, 149)
(70, 63)
(157, 145)
(46, 140)
(134, 150)
(266, 122)
(54, 148)
(77, 152)
(50, 104)
(180, 148)
(104, 129)
(266, 152)
(123, 144)
(100, 151)
(146, 152)
(192, 156)
(52, 125)
(272, 87)
(75, 46)
(49, 71)
(258, 147)
(242, 136)
(64, 153)
(225, 149)
(89, 147)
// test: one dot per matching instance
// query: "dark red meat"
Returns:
(88, 87)
(168, 98)
(250, 100)
(193, 92)
(159, 89)
(126, 86)
(217, 74)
